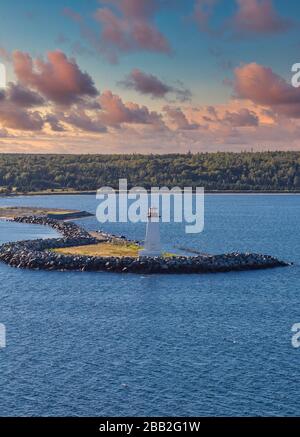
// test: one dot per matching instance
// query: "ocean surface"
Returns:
(106, 344)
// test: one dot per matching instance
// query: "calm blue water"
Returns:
(183, 345)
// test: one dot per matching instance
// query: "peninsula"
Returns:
(11, 212)
(80, 250)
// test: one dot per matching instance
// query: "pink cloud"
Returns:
(281, 133)
(22, 96)
(128, 27)
(17, 118)
(264, 87)
(112, 112)
(149, 84)
(259, 16)
(203, 12)
(115, 112)
(4, 133)
(146, 84)
(226, 115)
(251, 17)
(243, 118)
(179, 119)
(15, 104)
(54, 122)
(142, 9)
(58, 79)
(89, 123)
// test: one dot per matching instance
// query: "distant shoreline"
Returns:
(93, 193)
(219, 173)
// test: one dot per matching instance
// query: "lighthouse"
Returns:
(152, 241)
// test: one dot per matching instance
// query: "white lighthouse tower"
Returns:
(152, 241)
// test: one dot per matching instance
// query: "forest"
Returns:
(264, 171)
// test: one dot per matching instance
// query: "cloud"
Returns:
(23, 97)
(212, 114)
(148, 84)
(271, 134)
(250, 18)
(54, 123)
(67, 98)
(179, 119)
(203, 12)
(259, 16)
(110, 112)
(58, 79)
(137, 9)
(15, 104)
(125, 26)
(4, 133)
(264, 87)
(81, 120)
(243, 118)
(115, 112)
(17, 118)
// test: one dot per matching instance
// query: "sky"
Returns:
(149, 76)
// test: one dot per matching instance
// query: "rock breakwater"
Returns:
(67, 229)
(38, 254)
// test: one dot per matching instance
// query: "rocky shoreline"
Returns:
(38, 254)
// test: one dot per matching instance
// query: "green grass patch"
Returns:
(106, 250)
(103, 250)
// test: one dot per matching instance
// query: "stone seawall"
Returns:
(37, 254)
(67, 229)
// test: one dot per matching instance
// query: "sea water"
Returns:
(106, 344)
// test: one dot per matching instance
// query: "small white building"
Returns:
(152, 246)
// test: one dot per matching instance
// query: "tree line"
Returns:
(264, 171)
